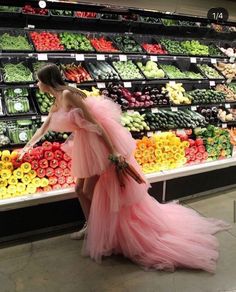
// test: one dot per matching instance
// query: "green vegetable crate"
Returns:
(74, 41)
(102, 70)
(17, 71)
(92, 36)
(127, 44)
(62, 15)
(10, 11)
(17, 104)
(12, 41)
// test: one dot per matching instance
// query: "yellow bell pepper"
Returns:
(6, 156)
(32, 173)
(14, 154)
(26, 167)
(2, 165)
(36, 181)
(12, 180)
(8, 165)
(11, 189)
(44, 182)
(3, 191)
(5, 173)
(20, 187)
(31, 188)
(26, 179)
(18, 173)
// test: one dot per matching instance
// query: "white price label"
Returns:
(30, 55)
(149, 134)
(227, 105)
(130, 111)
(193, 60)
(172, 82)
(153, 58)
(193, 108)
(33, 117)
(154, 110)
(31, 26)
(73, 85)
(100, 57)
(127, 84)
(212, 83)
(101, 85)
(224, 125)
(174, 109)
(232, 59)
(213, 61)
(174, 58)
(31, 85)
(123, 58)
(79, 57)
(42, 57)
(43, 118)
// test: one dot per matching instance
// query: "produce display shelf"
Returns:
(111, 56)
(104, 83)
(65, 194)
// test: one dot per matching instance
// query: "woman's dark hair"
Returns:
(51, 76)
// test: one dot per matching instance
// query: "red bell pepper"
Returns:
(58, 172)
(34, 164)
(61, 180)
(47, 146)
(58, 154)
(52, 180)
(41, 172)
(66, 172)
(56, 146)
(66, 157)
(43, 163)
(54, 163)
(49, 155)
(50, 172)
(63, 164)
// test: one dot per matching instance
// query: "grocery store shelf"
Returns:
(191, 170)
(59, 195)
(112, 56)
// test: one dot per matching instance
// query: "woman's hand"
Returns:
(24, 150)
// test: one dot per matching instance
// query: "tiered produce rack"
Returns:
(125, 90)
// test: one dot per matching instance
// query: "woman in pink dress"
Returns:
(121, 220)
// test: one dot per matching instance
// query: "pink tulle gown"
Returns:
(128, 220)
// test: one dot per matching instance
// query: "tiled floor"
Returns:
(56, 264)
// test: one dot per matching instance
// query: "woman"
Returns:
(124, 220)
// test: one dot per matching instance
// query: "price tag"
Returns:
(30, 55)
(144, 82)
(212, 83)
(33, 117)
(73, 85)
(199, 81)
(232, 59)
(144, 56)
(154, 110)
(123, 58)
(174, 58)
(149, 134)
(213, 61)
(30, 26)
(174, 109)
(130, 111)
(172, 82)
(224, 125)
(153, 58)
(227, 105)
(31, 85)
(79, 57)
(193, 60)
(193, 108)
(127, 84)
(100, 57)
(42, 57)
(101, 85)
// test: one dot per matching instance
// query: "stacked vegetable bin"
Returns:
(177, 95)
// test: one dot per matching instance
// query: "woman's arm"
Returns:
(77, 101)
(37, 136)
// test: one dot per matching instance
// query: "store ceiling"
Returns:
(182, 7)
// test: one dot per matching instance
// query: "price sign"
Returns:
(153, 58)
(154, 110)
(193, 108)
(127, 84)
(149, 134)
(100, 57)
(227, 105)
(193, 60)
(213, 61)
(79, 57)
(42, 57)
(31, 85)
(218, 13)
(212, 83)
(174, 109)
(123, 58)
(172, 82)
(224, 126)
(101, 85)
